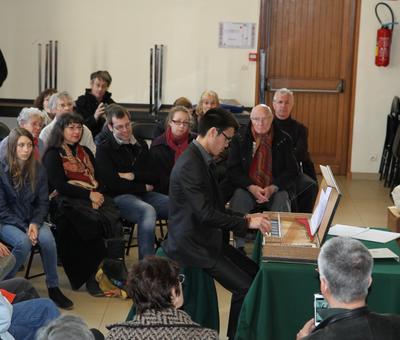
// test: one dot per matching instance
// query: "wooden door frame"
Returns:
(355, 28)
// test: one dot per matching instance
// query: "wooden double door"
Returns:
(308, 46)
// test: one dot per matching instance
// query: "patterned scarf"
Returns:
(78, 168)
(178, 144)
(261, 165)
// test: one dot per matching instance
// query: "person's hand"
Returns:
(33, 233)
(261, 223)
(97, 199)
(130, 176)
(149, 187)
(100, 111)
(306, 330)
(4, 251)
(269, 191)
(258, 193)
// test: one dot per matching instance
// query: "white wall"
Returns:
(375, 89)
(117, 35)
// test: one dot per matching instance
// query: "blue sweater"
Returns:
(22, 207)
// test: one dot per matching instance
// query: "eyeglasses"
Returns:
(259, 119)
(181, 278)
(228, 139)
(178, 123)
(126, 126)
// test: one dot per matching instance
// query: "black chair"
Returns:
(144, 130)
(4, 131)
(35, 250)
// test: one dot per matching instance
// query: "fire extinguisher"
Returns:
(383, 38)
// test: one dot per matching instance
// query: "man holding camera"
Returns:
(345, 267)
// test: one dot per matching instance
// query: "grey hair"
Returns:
(27, 113)
(65, 327)
(54, 98)
(283, 91)
(346, 264)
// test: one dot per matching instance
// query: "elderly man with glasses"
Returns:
(261, 166)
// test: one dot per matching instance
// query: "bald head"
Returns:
(261, 118)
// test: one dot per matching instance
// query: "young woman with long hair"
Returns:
(23, 207)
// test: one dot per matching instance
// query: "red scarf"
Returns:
(261, 165)
(79, 167)
(178, 144)
(36, 153)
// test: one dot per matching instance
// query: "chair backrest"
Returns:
(4, 131)
(144, 130)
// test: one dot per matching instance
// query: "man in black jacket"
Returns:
(345, 267)
(93, 103)
(306, 184)
(124, 167)
(261, 166)
(198, 218)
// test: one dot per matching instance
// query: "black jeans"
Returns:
(235, 272)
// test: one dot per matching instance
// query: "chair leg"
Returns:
(34, 250)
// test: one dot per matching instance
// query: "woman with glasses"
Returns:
(88, 226)
(156, 289)
(24, 205)
(167, 148)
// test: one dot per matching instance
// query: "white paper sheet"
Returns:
(383, 253)
(361, 233)
(319, 210)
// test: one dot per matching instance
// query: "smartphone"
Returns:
(319, 304)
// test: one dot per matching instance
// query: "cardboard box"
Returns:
(394, 220)
(295, 243)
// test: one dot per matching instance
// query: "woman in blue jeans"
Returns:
(23, 207)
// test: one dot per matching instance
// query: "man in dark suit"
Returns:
(345, 267)
(198, 218)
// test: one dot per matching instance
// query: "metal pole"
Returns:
(55, 64)
(40, 66)
(161, 71)
(151, 81)
(46, 67)
(156, 75)
(262, 77)
(51, 63)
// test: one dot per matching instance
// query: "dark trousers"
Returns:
(235, 272)
(306, 193)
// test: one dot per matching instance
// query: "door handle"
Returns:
(339, 88)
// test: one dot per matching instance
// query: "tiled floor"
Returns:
(364, 203)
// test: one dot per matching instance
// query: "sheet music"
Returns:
(319, 211)
(361, 233)
(383, 253)
(328, 176)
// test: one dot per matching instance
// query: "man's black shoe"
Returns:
(59, 298)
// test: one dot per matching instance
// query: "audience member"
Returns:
(61, 103)
(42, 103)
(23, 207)
(198, 219)
(345, 267)
(32, 120)
(168, 147)
(261, 166)
(92, 104)
(83, 215)
(181, 101)
(156, 290)
(124, 166)
(68, 327)
(21, 320)
(208, 100)
(306, 183)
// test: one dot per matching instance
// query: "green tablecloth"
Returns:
(280, 299)
(200, 297)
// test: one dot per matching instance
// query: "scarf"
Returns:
(78, 168)
(261, 165)
(178, 144)
(36, 153)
